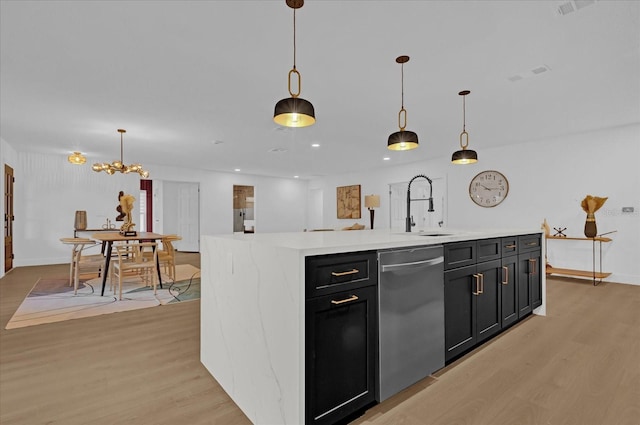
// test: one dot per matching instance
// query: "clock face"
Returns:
(488, 188)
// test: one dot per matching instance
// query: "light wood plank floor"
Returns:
(579, 365)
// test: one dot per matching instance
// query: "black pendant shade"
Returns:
(464, 155)
(402, 140)
(294, 112)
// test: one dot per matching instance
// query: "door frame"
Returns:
(9, 180)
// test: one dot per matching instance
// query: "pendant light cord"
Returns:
(294, 39)
(402, 85)
(464, 120)
(121, 155)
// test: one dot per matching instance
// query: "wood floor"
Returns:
(580, 365)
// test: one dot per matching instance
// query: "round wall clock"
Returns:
(488, 188)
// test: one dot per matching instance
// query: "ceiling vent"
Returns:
(528, 74)
(566, 7)
(277, 150)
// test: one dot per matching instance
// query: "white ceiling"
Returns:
(181, 75)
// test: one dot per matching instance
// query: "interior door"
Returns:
(244, 219)
(8, 218)
(189, 217)
(181, 213)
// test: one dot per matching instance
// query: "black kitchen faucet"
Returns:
(409, 220)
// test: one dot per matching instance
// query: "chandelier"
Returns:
(119, 165)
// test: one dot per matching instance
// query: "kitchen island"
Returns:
(253, 308)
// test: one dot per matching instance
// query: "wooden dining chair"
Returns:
(82, 262)
(167, 255)
(137, 259)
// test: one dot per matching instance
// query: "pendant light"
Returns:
(119, 166)
(464, 156)
(402, 140)
(294, 111)
(77, 158)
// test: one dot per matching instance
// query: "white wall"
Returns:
(548, 179)
(49, 190)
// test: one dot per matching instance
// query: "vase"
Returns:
(590, 228)
(81, 220)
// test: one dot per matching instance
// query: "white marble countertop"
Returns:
(329, 242)
(253, 300)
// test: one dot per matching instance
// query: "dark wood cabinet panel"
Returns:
(509, 290)
(488, 249)
(341, 346)
(326, 274)
(500, 286)
(341, 342)
(459, 311)
(459, 254)
(509, 246)
(489, 300)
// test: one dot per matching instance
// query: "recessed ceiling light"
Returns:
(315, 145)
(296, 177)
(386, 158)
(236, 169)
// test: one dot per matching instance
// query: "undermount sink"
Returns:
(432, 234)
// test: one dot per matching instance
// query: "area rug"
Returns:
(53, 300)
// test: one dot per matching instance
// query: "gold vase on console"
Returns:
(590, 228)
(590, 205)
(81, 220)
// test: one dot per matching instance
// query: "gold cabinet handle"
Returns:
(532, 244)
(532, 265)
(348, 300)
(481, 283)
(352, 271)
(505, 275)
(477, 278)
(510, 246)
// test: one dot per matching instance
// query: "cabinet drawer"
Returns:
(488, 249)
(509, 246)
(327, 274)
(528, 243)
(459, 254)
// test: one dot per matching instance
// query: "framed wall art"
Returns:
(348, 201)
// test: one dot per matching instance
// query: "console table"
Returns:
(596, 275)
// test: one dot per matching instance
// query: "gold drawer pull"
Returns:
(477, 282)
(348, 300)
(532, 244)
(533, 266)
(338, 274)
(505, 275)
(510, 246)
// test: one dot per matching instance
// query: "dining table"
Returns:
(109, 238)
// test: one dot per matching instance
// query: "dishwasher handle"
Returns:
(414, 264)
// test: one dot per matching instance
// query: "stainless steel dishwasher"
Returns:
(411, 316)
